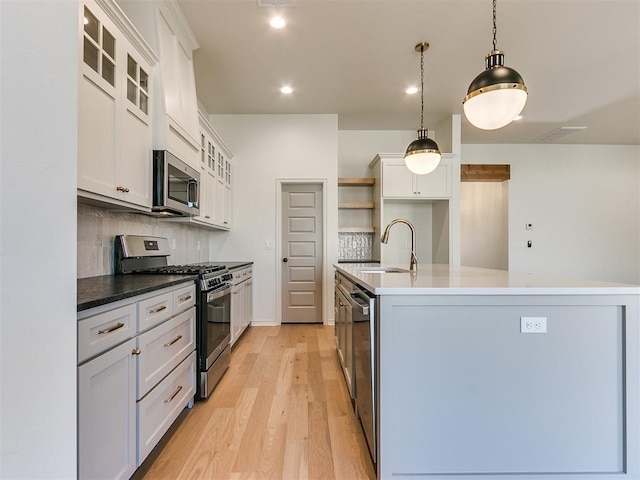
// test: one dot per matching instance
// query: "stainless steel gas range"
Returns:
(138, 254)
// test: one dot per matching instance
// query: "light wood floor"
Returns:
(281, 411)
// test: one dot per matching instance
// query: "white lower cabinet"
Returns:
(241, 302)
(161, 348)
(133, 382)
(158, 410)
(107, 414)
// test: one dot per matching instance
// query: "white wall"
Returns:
(583, 201)
(484, 224)
(267, 148)
(356, 148)
(39, 51)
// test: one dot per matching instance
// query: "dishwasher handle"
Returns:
(353, 298)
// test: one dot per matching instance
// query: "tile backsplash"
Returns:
(97, 229)
(355, 246)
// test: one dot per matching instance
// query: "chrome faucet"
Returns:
(413, 264)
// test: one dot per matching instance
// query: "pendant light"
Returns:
(423, 154)
(497, 95)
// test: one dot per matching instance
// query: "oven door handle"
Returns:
(219, 293)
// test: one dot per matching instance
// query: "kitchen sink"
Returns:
(383, 270)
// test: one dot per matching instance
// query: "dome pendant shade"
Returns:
(496, 96)
(423, 154)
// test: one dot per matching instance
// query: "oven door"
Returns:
(215, 324)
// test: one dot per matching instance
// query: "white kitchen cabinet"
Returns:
(217, 200)
(248, 303)
(107, 415)
(159, 409)
(163, 347)
(114, 109)
(131, 353)
(241, 302)
(399, 182)
(214, 165)
(105, 330)
(430, 202)
(175, 120)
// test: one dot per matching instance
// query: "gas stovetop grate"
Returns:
(193, 269)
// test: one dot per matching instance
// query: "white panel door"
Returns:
(302, 253)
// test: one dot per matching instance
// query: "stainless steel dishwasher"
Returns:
(362, 310)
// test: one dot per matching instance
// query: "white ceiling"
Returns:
(580, 60)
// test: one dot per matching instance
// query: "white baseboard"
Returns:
(264, 322)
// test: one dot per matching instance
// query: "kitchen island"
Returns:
(491, 374)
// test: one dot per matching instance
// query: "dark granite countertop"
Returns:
(96, 291)
(235, 265)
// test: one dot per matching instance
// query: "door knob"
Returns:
(285, 259)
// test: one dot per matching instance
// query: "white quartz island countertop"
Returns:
(438, 279)
(489, 374)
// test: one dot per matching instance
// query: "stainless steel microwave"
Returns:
(176, 186)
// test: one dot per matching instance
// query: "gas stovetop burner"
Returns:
(193, 269)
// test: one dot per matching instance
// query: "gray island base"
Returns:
(490, 374)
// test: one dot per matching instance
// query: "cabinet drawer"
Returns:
(105, 330)
(158, 410)
(241, 275)
(184, 298)
(154, 310)
(163, 347)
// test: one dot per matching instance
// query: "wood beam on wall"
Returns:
(484, 173)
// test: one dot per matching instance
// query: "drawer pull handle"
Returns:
(185, 298)
(168, 344)
(136, 351)
(112, 328)
(159, 309)
(173, 395)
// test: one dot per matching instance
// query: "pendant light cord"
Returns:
(422, 88)
(495, 29)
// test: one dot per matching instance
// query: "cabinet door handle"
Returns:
(111, 328)
(207, 216)
(236, 292)
(168, 344)
(173, 395)
(136, 351)
(122, 189)
(159, 309)
(185, 298)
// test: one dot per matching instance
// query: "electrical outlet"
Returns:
(533, 324)
(173, 244)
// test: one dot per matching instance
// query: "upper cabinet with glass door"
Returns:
(175, 121)
(114, 109)
(215, 180)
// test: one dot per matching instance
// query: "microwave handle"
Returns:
(193, 188)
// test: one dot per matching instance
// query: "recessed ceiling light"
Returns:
(277, 22)
(286, 90)
(411, 90)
